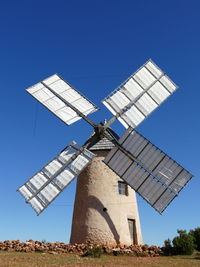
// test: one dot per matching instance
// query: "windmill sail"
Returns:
(153, 174)
(139, 95)
(41, 189)
(147, 169)
(62, 99)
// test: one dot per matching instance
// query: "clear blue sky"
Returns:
(94, 45)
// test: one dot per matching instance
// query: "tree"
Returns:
(196, 236)
(168, 249)
(184, 243)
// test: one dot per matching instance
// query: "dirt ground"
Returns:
(18, 259)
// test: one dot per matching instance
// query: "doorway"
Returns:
(132, 230)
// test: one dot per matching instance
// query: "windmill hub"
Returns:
(100, 130)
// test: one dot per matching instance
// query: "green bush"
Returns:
(183, 244)
(168, 249)
(116, 252)
(93, 251)
(196, 236)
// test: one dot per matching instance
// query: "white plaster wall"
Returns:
(97, 187)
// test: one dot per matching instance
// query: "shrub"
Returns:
(183, 244)
(168, 249)
(93, 251)
(116, 252)
(196, 236)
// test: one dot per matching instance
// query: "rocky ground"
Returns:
(59, 247)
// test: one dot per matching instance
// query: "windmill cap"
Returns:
(104, 143)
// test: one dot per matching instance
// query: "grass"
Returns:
(17, 259)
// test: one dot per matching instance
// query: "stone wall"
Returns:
(59, 247)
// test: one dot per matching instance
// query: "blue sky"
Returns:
(94, 45)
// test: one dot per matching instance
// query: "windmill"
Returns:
(132, 158)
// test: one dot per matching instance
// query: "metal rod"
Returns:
(87, 143)
(54, 175)
(52, 181)
(127, 153)
(62, 168)
(113, 119)
(70, 105)
(161, 82)
(169, 186)
(137, 157)
(32, 192)
(149, 174)
(141, 165)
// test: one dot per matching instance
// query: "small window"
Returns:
(122, 188)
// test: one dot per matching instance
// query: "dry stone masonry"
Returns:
(31, 246)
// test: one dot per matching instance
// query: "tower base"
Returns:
(105, 212)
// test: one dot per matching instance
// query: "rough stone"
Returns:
(100, 212)
(78, 249)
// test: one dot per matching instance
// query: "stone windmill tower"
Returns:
(108, 168)
(105, 210)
